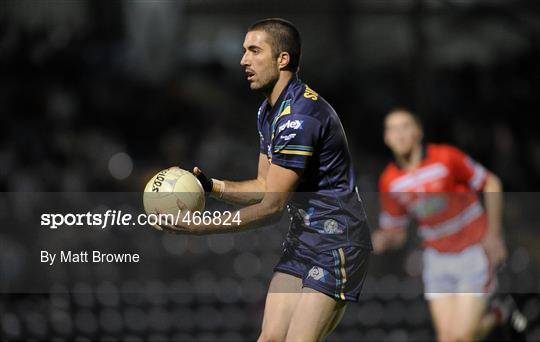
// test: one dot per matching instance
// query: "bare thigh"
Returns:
(315, 316)
(457, 316)
(283, 295)
(469, 312)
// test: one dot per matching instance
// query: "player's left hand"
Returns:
(495, 249)
(176, 226)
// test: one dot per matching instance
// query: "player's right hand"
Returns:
(206, 182)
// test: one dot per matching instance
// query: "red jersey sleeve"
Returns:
(393, 214)
(466, 170)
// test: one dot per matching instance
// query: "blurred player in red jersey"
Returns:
(436, 186)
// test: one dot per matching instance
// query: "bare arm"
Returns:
(493, 241)
(494, 202)
(280, 183)
(238, 192)
(250, 191)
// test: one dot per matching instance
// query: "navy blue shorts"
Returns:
(338, 273)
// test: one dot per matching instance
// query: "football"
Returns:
(169, 185)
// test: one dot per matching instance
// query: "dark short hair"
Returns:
(284, 37)
(409, 112)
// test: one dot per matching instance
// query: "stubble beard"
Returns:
(267, 87)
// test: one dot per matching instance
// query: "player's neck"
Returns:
(412, 160)
(281, 83)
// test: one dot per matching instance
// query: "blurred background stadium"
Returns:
(99, 95)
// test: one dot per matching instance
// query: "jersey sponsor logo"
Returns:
(288, 137)
(292, 124)
(310, 94)
(317, 273)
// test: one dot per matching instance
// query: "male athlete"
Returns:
(304, 165)
(436, 186)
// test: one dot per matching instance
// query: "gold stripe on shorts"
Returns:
(343, 273)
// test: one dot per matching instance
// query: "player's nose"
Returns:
(244, 60)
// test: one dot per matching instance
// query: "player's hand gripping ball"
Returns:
(169, 187)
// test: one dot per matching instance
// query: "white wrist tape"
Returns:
(218, 188)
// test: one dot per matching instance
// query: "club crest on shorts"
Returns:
(332, 227)
(317, 273)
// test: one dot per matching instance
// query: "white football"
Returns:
(167, 186)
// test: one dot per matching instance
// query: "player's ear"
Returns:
(283, 60)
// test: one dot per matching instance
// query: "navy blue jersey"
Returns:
(302, 131)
